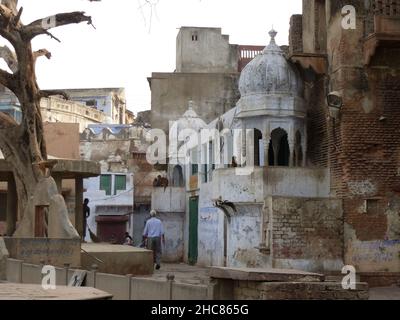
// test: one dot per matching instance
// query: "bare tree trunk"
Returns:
(23, 145)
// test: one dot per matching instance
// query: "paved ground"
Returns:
(388, 293)
(183, 273)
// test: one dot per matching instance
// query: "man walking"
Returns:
(154, 234)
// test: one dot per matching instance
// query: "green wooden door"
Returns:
(193, 231)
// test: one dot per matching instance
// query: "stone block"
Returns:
(262, 275)
(182, 291)
(150, 289)
(118, 286)
(31, 274)
(3, 259)
(117, 259)
(55, 252)
(14, 270)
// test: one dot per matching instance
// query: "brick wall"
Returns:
(296, 34)
(370, 153)
(307, 228)
(317, 127)
(251, 290)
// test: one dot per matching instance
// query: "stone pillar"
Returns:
(12, 206)
(276, 147)
(243, 155)
(266, 141)
(304, 146)
(78, 205)
(58, 180)
(250, 148)
(291, 154)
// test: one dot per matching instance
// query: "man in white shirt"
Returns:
(154, 234)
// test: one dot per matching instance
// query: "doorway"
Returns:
(193, 229)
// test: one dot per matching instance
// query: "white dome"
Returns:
(270, 85)
(270, 73)
(189, 120)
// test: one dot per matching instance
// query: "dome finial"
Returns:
(191, 104)
(273, 34)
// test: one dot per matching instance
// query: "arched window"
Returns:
(279, 151)
(177, 177)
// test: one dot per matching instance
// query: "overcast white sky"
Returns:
(123, 51)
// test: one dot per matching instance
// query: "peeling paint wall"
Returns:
(244, 237)
(372, 239)
(211, 237)
(173, 226)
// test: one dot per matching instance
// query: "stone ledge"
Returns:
(264, 275)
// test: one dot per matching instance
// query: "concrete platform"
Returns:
(264, 275)
(56, 252)
(117, 259)
(14, 291)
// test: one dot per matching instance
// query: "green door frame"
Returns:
(193, 229)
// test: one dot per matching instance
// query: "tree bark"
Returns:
(23, 145)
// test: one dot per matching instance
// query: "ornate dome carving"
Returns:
(270, 73)
(270, 85)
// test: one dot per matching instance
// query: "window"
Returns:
(105, 183)
(91, 103)
(195, 37)
(120, 183)
(195, 166)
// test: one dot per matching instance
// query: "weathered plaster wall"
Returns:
(211, 237)
(56, 109)
(307, 234)
(373, 239)
(168, 200)
(213, 94)
(173, 226)
(170, 204)
(210, 230)
(108, 153)
(244, 237)
(62, 140)
(195, 55)
(365, 152)
(262, 182)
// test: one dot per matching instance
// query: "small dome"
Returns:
(270, 86)
(270, 73)
(189, 120)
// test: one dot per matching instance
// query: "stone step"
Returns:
(265, 275)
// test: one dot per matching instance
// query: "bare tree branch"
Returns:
(41, 53)
(7, 79)
(6, 12)
(49, 93)
(6, 121)
(11, 4)
(38, 27)
(10, 58)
